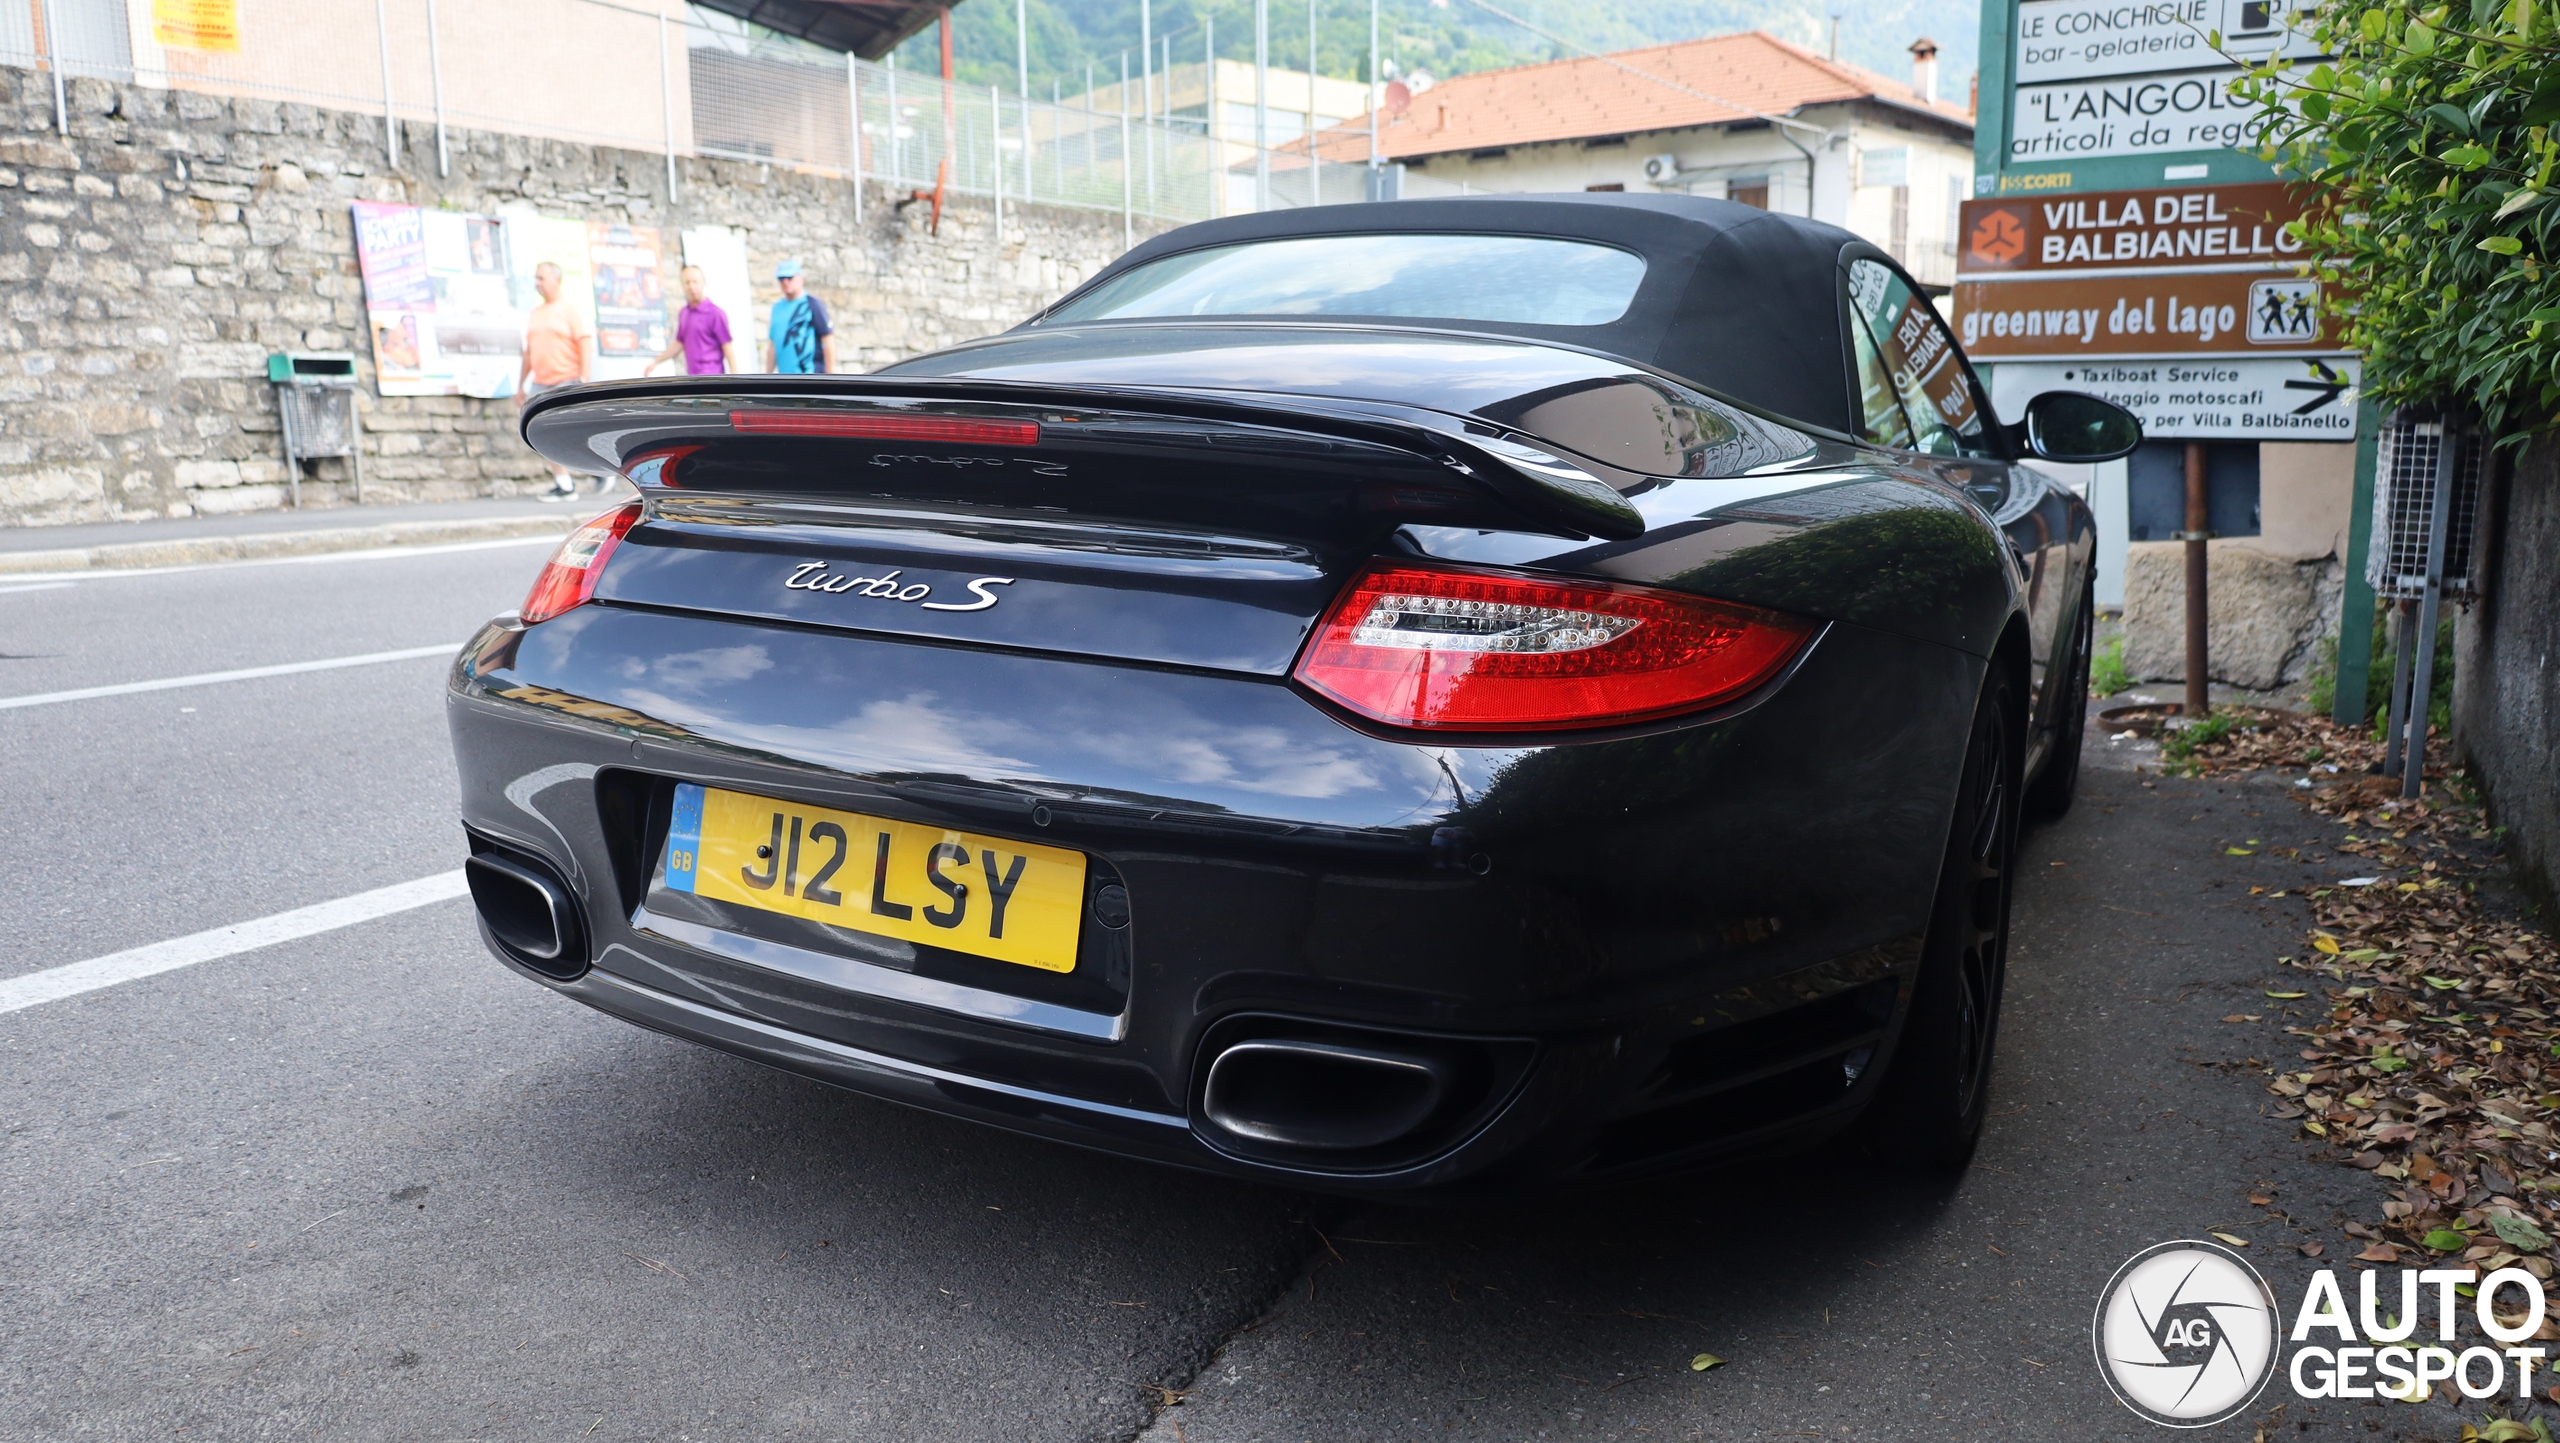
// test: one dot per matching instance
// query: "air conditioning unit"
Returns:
(1662, 169)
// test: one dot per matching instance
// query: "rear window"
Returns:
(1521, 280)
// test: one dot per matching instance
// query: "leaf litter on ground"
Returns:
(2432, 1066)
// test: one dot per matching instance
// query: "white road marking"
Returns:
(133, 964)
(39, 586)
(209, 678)
(370, 553)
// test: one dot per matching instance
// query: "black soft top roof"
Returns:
(1740, 300)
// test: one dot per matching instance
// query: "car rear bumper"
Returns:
(1627, 954)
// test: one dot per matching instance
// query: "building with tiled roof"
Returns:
(1747, 117)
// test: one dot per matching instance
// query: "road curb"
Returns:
(267, 545)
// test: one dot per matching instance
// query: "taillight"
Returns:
(569, 578)
(1488, 651)
(887, 426)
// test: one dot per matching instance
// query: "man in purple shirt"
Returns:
(702, 331)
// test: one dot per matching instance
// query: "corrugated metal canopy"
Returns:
(868, 28)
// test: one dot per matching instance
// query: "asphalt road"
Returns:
(367, 1184)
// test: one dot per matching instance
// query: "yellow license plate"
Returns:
(1012, 901)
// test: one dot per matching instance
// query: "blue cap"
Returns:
(786, 270)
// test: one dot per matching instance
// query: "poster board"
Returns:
(438, 304)
(534, 239)
(721, 251)
(629, 298)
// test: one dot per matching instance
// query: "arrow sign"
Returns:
(2330, 385)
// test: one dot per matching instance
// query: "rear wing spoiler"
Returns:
(1292, 465)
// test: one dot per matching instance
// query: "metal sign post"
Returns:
(2355, 608)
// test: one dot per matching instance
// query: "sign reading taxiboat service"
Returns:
(2246, 398)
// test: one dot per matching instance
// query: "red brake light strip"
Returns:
(886, 426)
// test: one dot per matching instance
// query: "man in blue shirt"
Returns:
(802, 341)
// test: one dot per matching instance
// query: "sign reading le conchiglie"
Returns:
(208, 25)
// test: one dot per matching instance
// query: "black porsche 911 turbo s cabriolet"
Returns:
(1432, 697)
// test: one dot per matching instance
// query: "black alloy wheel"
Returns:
(1932, 1103)
(2049, 795)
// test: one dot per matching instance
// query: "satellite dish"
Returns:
(1399, 98)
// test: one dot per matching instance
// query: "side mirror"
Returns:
(2076, 428)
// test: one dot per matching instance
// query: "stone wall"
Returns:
(2506, 686)
(153, 258)
(2264, 613)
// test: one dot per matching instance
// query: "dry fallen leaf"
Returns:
(2237, 1242)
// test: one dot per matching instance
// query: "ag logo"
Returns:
(2186, 1334)
(1999, 237)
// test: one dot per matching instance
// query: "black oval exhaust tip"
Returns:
(528, 911)
(1320, 1096)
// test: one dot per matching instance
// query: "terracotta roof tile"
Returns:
(1586, 99)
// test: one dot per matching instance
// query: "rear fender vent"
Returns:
(1752, 1077)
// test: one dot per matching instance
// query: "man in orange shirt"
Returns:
(559, 350)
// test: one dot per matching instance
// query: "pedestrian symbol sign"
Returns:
(2283, 313)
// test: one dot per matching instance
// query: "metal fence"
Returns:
(680, 81)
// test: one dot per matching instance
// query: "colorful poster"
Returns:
(209, 26)
(721, 251)
(437, 301)
(399, 299)
(447, 294)
(534, 241)
(631, 306)
(479, 334)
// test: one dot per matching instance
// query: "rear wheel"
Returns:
(2049, 796)
(1930, 1110)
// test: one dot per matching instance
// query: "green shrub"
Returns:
(2107, 675)
(2431, 133)
(2180, 743)
(2320, 688)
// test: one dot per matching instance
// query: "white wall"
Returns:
(1711, 158)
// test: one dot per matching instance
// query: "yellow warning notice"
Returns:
(208, 25)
